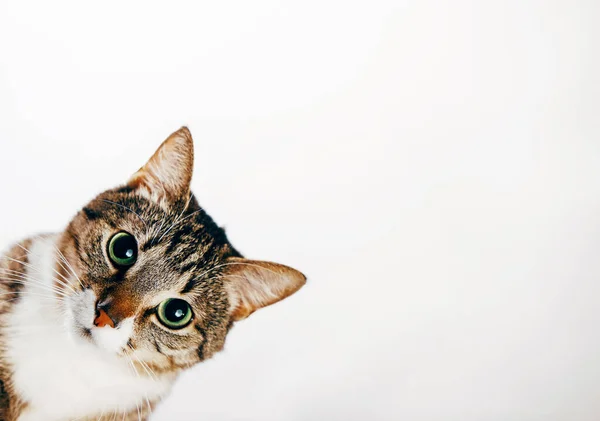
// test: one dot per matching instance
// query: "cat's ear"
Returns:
(168, 174)
(254, 284)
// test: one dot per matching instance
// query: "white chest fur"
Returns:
(61, 377)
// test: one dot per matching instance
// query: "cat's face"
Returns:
(152, 277)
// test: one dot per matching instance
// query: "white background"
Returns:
(432, 166)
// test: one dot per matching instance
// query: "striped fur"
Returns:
(182, 253)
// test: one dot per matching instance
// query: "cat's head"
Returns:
(152, 277)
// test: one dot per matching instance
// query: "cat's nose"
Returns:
(102, 315)
(103, 319)
(112, 310)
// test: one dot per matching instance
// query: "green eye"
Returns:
(123, 249)
(174, 313)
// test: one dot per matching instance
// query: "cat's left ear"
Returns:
(253, 284)
(168, 174)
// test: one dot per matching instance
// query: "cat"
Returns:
(97, 322)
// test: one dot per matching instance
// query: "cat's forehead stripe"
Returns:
(148, 245)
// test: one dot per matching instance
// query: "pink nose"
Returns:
(103, 319)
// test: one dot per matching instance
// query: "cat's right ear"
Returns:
(168, 173)
(254, 284)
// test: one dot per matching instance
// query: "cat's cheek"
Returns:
(80, 312)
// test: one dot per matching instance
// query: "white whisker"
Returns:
(66, 262)
(27, 281)
(55, 271)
